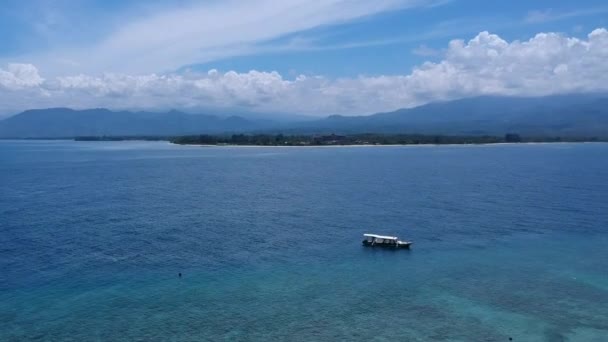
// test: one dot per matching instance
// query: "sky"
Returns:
(317, 58)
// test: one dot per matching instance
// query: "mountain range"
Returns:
(564, 115)
(65, 122)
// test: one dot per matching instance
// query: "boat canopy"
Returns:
(381, 237)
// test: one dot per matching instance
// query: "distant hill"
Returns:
(564, 115)
(65, 122)
(567, 115)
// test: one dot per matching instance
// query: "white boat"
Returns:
(374, 240)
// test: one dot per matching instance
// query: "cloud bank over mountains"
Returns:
(546, 64)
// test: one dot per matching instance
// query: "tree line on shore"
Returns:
(335, 139)
(358, 139)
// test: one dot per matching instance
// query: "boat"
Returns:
(374, 240)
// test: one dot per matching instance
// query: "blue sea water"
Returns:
(510, 241)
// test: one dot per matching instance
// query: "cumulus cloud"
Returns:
(548, 63)
(19, 76)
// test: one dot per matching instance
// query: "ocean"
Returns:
(510, 242)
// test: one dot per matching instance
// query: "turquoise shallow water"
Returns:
(510, 241)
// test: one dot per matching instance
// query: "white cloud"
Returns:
(19, 76)
(199, 32)
(548, 63)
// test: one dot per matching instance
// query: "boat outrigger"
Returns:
(374, 240)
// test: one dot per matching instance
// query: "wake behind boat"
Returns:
(373, 240)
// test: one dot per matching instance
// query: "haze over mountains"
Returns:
(564, 115)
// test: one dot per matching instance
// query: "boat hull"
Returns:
(405, 245)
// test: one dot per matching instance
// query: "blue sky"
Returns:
(52, 44)
(389, 41)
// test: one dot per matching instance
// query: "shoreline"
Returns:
(315, 146)
(398, 145)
